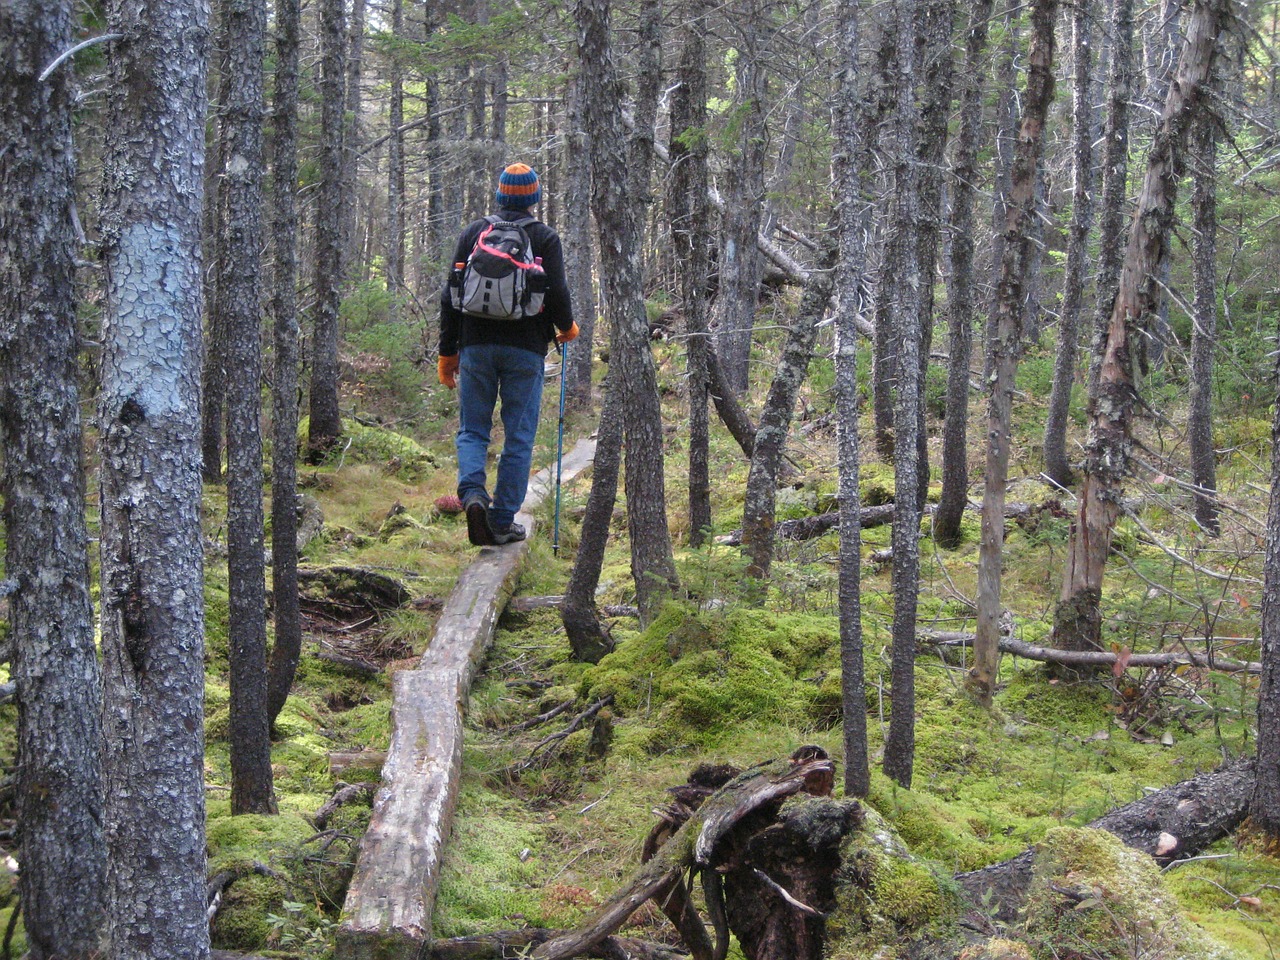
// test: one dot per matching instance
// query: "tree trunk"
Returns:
(1204, 320)
(1018, 249)
(287, 648)
(352, 94)
(587, 637)
(1056, 463)
(899, 752)
(239, 306)
(936, 79)
(759, 501)
(1264, 810)
(851, 175)
(960, 286)
(689, 213)
(1115, 179)
(1005, 136)
(652, 564)
(152, 571)
(51, 625)
(1077, 620)
(325, 424)
(213, 376)
(739, 264)
(578, 252)
(395, 163)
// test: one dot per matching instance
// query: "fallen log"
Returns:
(517, 943)
(1171, 824)
(807, 528)
(1093, 658)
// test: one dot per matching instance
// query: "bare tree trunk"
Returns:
(739, 263)
(652, 563)
(352, 95)
(1056, 463)
(239, 306)
(1204, 204)
(152, 570)
(854, 212)
(395, 163)
(46, 563)
(325, 424)
(689, 213)
(587, 637)
(1005, 136)
(578, 250)
(1077, 619)
(899, 752)
(1264, 808)
(1115, 179)
(960, 285)
(213, 376)
(282, 664)
(1018, 249)
(936, 79)
(758, 507)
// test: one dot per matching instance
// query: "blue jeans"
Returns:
(487, 371)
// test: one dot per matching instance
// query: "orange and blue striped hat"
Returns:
(518, 186)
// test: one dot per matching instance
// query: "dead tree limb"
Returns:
(1096, 658)
(347, 793)
(694, 843)
(540, 756)
(1171, 824)
(512, 943)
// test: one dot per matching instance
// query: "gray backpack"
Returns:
(501, 279)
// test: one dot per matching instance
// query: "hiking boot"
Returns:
(477, 511)
(509, 534)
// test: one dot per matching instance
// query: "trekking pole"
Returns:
(555, 537)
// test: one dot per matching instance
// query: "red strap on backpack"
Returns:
(495, 252)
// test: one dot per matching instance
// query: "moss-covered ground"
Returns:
(735, 672)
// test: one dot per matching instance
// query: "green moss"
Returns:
(884, 894)
(1115, 903)
(703, 672)
(875, 484)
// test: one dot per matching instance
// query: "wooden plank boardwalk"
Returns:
(387, 914)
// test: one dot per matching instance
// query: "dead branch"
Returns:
(540, 756)
(346, 793)
(1095, 658)
(693, 843)
(540, 718)
(512, 943)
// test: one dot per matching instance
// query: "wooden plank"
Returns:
(387, 914)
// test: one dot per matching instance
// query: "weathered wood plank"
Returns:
(387, 914)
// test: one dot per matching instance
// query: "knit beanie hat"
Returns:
(518, 186)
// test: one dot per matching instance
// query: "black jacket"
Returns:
(534, 333)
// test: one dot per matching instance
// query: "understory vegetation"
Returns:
(549, 825)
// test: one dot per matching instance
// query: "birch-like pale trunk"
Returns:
(1018, 250)
(1078, 617)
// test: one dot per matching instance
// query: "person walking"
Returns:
(498, 353)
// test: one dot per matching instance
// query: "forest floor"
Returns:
(547, 827)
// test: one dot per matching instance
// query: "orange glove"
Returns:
(447, 371)
(564, 336)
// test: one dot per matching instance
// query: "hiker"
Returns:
(499, 311)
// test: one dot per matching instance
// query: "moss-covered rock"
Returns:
(1093, 898)
(885, 895)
